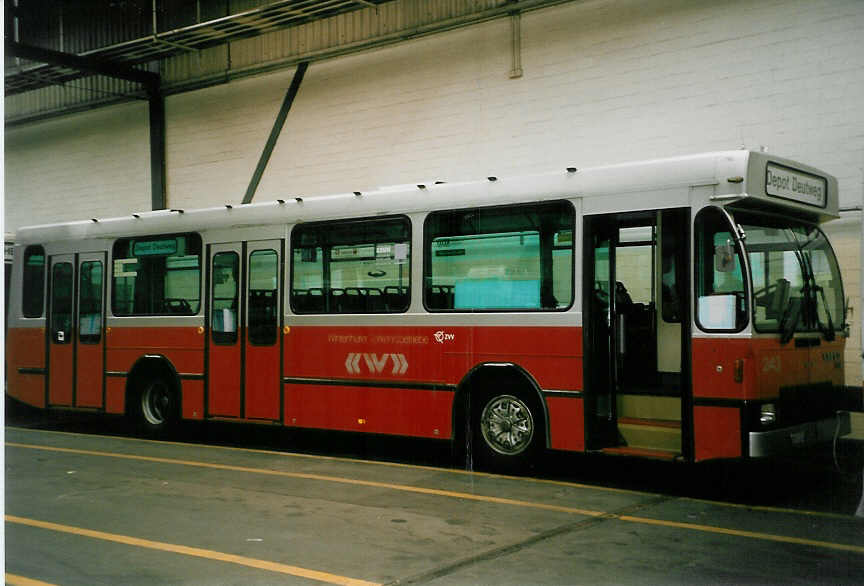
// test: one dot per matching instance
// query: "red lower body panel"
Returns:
(410, 412)
(263, 382)
(193, 399)
(717, 432)
(89, 373)
(25, 365)
(566, 423)
(115, 394)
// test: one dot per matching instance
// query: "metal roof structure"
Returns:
(24, 75)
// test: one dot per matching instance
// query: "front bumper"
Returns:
(778, 441)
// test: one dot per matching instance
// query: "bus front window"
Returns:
(796, 280)
(721, 302)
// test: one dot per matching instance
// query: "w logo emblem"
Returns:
(375, 364)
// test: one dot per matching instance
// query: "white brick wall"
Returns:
(93, 164)
(845, 236)
(604, 81)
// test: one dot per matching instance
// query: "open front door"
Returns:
(598, 323)
(635, 301)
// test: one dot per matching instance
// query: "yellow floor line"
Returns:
(767, 509)
(195, 552)
(457, 495)
(13, 580)
(742, 533)
(802, 512)
(338, 459)
(321, 477)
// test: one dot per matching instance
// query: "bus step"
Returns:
(653, 454)
(652, 434)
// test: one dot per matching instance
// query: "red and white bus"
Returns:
(686, 308)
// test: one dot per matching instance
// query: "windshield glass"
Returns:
(796, 280)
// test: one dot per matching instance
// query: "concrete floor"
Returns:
(93, 509)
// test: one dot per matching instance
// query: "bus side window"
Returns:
(157, 275)
(33, 282)
(499, 259)
(354, 266)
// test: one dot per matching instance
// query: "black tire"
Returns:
(156, 407)
(507, 431)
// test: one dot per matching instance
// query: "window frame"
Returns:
(223, 337)
(96, 338)
(201, 261)
(54, 329)
(743, 262)
(298, 229)
(427, 256)
(255, 335)
(25, 282)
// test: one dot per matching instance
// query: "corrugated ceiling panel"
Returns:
(210, 65)
(331, 33)
(80, 93)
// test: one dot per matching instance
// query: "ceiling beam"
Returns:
(92, 65)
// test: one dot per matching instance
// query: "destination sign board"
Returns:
(795, 185)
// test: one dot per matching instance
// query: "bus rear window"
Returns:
(157, 275)
(33, 285)
(503, 258)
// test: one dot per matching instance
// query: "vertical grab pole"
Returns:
(274, 133)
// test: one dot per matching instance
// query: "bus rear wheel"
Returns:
(157, 407)
(507, 432)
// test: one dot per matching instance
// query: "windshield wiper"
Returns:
(811, 291)
(828, 332)
(789, 319)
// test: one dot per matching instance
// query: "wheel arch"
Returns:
(486, 373)
(145, 368)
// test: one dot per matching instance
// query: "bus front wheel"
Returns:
(507, 432)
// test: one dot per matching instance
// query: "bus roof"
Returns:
(740, 178)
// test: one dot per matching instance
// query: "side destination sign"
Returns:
(795, 185)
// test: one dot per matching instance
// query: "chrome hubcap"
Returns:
(507, 425)
(155, 403)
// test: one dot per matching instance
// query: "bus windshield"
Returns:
(795, 277)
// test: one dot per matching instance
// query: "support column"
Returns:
(156, 103)
(274, 132)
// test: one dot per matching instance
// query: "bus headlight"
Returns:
(768, 414)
